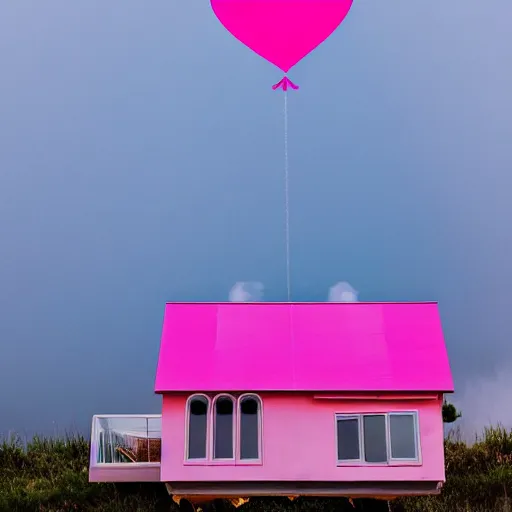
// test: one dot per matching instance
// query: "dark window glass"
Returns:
(249, 429)
(198, 416)
(403, 436)
(348, 439)
(223, 429)
(374, 428)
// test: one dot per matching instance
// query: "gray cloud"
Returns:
(141, 161)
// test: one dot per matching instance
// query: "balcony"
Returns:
(125, 448)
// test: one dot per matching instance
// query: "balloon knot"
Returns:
(284, 84)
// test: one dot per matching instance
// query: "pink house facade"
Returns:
(320, 399)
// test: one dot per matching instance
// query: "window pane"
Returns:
(249, 429)
(223, 435)
(403, 436)
(128, 439)
(197, 428)
(348, 439)
(375, 438)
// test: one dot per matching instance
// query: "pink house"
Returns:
(319, 399)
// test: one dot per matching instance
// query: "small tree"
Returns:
(450, 413)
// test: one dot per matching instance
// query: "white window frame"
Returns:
(188, 460)
(93, 455)
(359, 419)
(390, 460)
(213, 428)
(210, 459)
(259, 459)
(417, 439)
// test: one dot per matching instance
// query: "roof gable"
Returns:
(303, 346)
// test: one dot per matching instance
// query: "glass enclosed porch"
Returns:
(125, 448)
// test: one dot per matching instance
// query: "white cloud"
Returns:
(485, 402)
(246, 291)
(342, 292)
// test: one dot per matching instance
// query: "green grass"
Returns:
(51, 475)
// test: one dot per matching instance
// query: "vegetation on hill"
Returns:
(51, 475)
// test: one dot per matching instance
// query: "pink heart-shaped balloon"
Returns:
(281, 31)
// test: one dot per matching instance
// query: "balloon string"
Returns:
(287, 197)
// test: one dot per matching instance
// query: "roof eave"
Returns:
(161, 391)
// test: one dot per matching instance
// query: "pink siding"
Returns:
(299, 442)
(303, 347)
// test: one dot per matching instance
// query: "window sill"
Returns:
(231, 463)
(222, 462)
(253, 462)
(398, 463)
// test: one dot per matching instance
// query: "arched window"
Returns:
(198, 406)
(223, 428)
(250, 425)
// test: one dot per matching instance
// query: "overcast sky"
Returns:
(141, 161)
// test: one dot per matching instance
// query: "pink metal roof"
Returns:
(303, 346)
